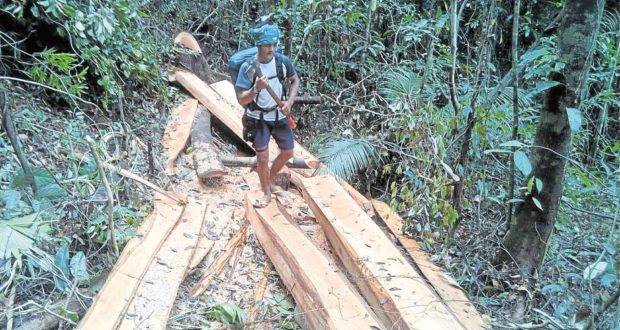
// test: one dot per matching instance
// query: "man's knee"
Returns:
(262, 158)
(288, 154)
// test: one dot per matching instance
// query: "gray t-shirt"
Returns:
(264, 99)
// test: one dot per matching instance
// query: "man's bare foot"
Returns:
(263, 201)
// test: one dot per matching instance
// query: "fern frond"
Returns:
(344, 157)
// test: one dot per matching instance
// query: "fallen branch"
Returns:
(295, 162)
(134, 177)
(218, 264)
(106, 184)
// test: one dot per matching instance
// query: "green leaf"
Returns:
(11, 199)
(532, 55)
(530, 184)
(523, 163)
(539, 185)
(515, 200)
(78, 267)
(574, 118)
(345, 156)
(490, 151)
(61, 260)
(51, 191)
(594, 270)
(79, 26)
(512, 143)
(73, 316)
(543, 86)
(537, 203)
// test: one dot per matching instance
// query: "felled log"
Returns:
(195, 61)
(111, 303)
(321, 292)
(205, 154)
(453, 296)
(295, 162)
(392, 287)
(154, 297)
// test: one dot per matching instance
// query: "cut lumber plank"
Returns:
(225, 110)
(324, 297)
(295, 162)
(392, 287)
(186, 40)
(205, 154)
(218, 264)
(112, 301)
(177, 131)
(158, 289)
(452, 295)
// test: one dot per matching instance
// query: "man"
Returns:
(259, 105)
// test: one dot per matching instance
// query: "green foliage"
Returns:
(346, 156)
(108, 41)
(228, 314)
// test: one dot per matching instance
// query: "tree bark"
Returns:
(515, 105)
(205, 157)
(526, 242)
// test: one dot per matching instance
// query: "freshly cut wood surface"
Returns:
(157, 291)
(453, 296)
(177, 131)
(229, 114)
(393, 288)
(324, 297)
(112, 301)
(188, 41)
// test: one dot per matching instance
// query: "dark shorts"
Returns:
(281, 132)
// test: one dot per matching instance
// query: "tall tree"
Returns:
(527, 239)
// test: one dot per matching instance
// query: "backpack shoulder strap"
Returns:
(280, 72)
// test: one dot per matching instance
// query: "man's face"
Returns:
(266, 51)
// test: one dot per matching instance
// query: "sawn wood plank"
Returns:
(110, 304)
(158, 289)
(392, 287)
(325, 298)
(452, 295)
(177, 131)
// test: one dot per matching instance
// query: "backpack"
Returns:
(248, 55)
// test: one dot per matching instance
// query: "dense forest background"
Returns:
(437, 107)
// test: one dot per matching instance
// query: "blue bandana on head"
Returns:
(265, 35)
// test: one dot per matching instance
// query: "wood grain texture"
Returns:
(324, 297)
(155, 296)
(392, 287)
(110, 304)
(452, 295)
(177, 131)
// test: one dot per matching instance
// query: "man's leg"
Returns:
(261, 145)
(279, 163)
(262, 168)
(283, 134)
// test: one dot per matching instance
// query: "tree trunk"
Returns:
(526, 242)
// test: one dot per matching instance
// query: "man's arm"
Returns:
(244, 89)
(288, 105)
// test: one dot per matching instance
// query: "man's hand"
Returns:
(261, 82)
(286, 108)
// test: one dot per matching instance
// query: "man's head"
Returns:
(266, 39)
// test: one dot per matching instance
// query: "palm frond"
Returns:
(344, 157)
(399, 83)
(610, 22)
